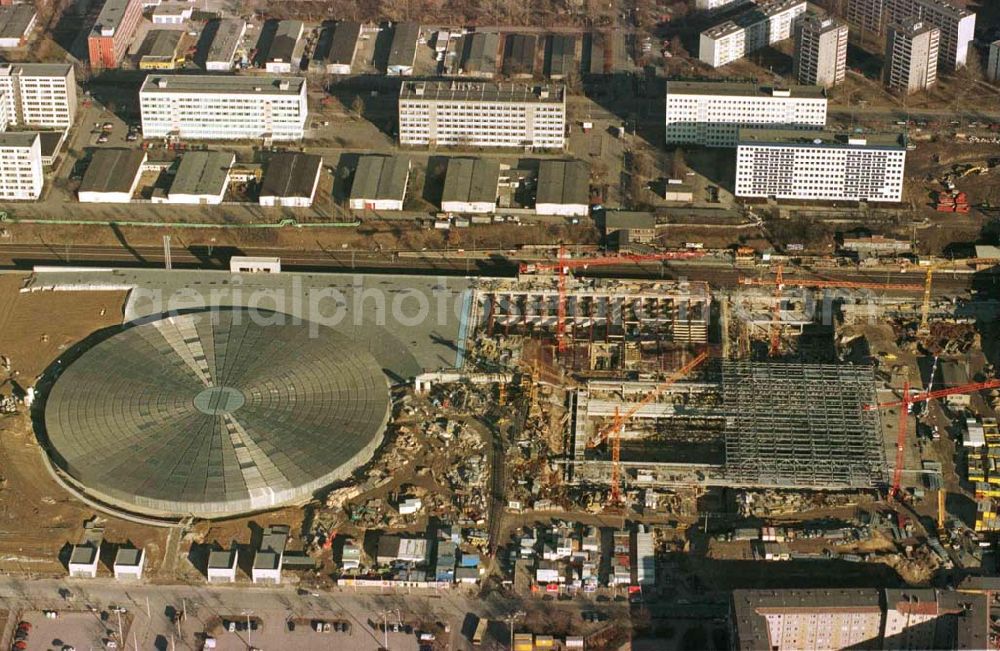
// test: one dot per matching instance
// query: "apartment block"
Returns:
(20, 166)
(993, 62)
(112, 33)
(38, 94)
(216, 107)
(957, 24)
(840, 618)
(711, 113)
(820, 51)
(819, 165)
(482, 114)
(911, 56)
(749, 31)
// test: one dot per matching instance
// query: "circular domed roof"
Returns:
(216, 413)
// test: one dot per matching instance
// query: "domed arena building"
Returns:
(216, 413)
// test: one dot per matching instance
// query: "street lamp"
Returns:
(510, 619)
(247, 613)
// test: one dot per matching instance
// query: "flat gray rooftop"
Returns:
(161, 43)
(227, 38)
(471, 179)
(474, 91)
(202, 173)
(14, 20)
(112, 170)
(290, 174)
(229, 84)
(18, 139)
(519, 54)
(35, 69)
(561, 55)
(222, 558)
(381, 177)
(563, 182)
(360, 306)
(739, 89)
(111, 16)
(798, 137)
(128, 556)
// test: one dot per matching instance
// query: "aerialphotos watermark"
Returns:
(356, 303)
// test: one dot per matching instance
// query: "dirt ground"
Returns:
(37, 517)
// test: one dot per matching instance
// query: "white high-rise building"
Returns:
(482, 114)
(957, 24)
(993, 62)
(216, 107)
(911, 56)
(819, 165)
(751, 30)
(21, 176)
(39, 94)
(710, 113)
(820, 51)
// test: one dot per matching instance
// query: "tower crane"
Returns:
(779, 283)
(618, 423)
(925, 308)
(565, 264)
(905, 403)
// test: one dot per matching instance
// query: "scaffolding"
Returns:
(802, 425)
(778, 425)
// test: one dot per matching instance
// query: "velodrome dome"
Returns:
(216, 413)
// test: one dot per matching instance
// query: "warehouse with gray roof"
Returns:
(471, 185)
(343, 47)
(16, 23)
(560, 56)
(479, 54)
(112, 176)
(403, 49)
(563, 188)
(519, 55)
(290, 180)
(228, 37)
(380, 183)
(202, 178)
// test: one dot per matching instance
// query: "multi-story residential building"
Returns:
(763, 25)
(20, 166)
(819, 165)
(112, 33)
(957, 24)
(482, 114)
(993, 62)
(215, 107)
(710, 113)
(839, 618)
(820, 51)
(714, 5)
(911, 56)
(38, 94)
(868, 15)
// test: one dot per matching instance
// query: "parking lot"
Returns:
(79, 630)
(276, 631)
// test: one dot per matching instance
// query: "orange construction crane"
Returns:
(904, 405)
(779, 283)
(565, 264)
(618, 424)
